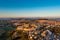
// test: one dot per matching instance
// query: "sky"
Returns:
(29, 8)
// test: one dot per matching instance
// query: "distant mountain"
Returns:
(35, 18)
(4, 18)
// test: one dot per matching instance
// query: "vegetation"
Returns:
(57, 30)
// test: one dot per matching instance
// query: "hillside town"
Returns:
(24, 29)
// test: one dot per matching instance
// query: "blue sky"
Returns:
(29, 8)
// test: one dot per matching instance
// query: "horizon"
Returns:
(29, 8)
(29, 17)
